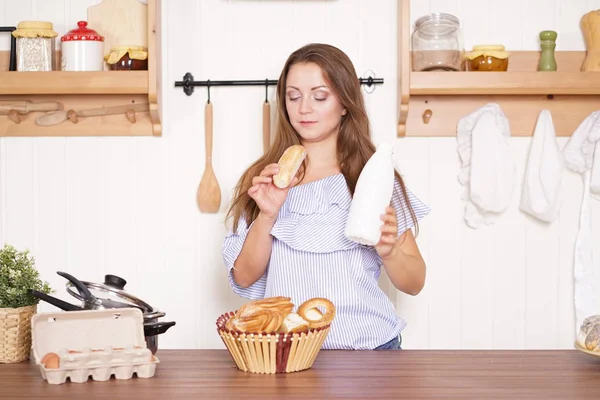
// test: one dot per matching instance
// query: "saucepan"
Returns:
(103, 297)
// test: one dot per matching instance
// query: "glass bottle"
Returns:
(437, 43)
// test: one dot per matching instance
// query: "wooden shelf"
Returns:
(505, 83)
(61, 82)
(88, 90)
(432, 103)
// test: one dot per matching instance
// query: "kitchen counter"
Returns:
(406, 374)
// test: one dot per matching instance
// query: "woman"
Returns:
(290, 242)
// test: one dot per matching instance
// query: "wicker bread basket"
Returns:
(264, 353)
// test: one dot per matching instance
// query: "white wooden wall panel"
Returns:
(92, 206)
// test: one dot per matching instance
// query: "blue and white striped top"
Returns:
(311, 257)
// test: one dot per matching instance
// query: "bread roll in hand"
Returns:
(289, 164)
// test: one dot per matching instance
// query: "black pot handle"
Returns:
(83, 290)
(63, 305)
(156, 328)
(115, 281)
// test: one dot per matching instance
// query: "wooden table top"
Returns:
(405, 374)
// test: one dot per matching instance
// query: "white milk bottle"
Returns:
(372, 195)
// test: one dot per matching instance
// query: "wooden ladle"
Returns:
(209, 192)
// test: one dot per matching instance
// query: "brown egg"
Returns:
(51, 361)
(43, 360)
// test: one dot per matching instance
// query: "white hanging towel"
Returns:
(595, 174)
(488, 170)
(580, 156)
(542, 180)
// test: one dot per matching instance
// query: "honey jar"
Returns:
(488, 58)
(127, 58)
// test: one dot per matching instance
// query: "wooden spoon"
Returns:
(266, 125)
(209, 192)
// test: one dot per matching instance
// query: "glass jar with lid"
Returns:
(36, 46)
(437, 43)
(127, 58)
(487, 58)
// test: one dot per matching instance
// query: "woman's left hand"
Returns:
(400, 256)
(389, 233)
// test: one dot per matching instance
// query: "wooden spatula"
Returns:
(209, 192)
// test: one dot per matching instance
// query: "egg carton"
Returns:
(77, 345)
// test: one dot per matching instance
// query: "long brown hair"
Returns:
(354, 146)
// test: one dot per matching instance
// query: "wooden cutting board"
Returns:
(121, 22)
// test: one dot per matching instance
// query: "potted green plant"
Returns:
(17, 276)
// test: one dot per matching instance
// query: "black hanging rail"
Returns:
(188, 83)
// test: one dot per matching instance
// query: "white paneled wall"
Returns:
(126, 206)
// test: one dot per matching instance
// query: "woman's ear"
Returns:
(344, 112)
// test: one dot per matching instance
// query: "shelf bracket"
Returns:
(404, 64)
(154, 18)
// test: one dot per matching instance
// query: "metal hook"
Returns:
(208, 88)
(266, 90)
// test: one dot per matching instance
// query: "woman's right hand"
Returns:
(267, 196)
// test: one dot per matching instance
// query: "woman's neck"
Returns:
(322, 159)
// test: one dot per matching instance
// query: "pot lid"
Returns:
(113, 289)
(82, 33)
